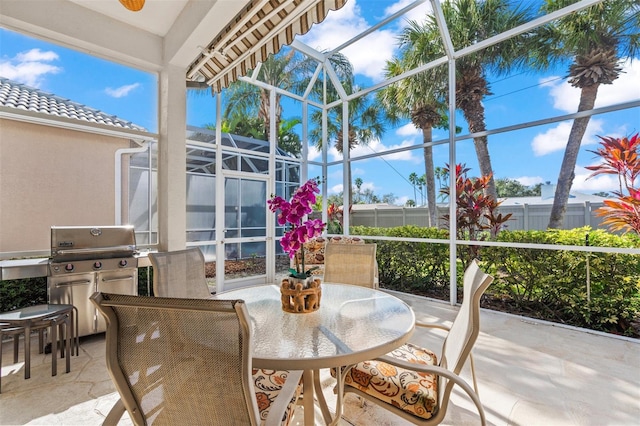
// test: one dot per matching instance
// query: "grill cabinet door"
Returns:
(75, 289)
(124, 281)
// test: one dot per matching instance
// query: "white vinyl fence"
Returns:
(524, 217)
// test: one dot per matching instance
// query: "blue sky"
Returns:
(530, 156)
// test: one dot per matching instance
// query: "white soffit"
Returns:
(156, 16)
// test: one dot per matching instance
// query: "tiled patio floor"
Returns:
(529, 373)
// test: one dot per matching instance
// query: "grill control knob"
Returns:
(69, 267)
(123, 263)
(97, 265)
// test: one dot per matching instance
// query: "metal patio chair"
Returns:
(410, 382)
(188, 361)
(180, 273)
(351, 264)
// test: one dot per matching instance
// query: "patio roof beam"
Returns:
(471, 49)
(333, 77)
(281, 91)
(529, 124)
(440, 61)
(379, 25)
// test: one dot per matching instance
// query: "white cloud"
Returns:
(35, 55)
(401, 201)
(29, 67)
(313, 154)
(408, 130)
(555, 139)
(122, 91)
(367, 186)
(625, 88)
(529, 180)
(376, 146)
(349, 22)
(595, 184)
(415, 156)
(416, 14)
(335, 189)
(345, 24)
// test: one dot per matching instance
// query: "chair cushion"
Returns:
(415, 393)
(267, 384)
(314, 251)
(341, 239)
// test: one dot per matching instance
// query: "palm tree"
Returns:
(468, 22)
(413, 179)
(244, 126)
(417, 98)
(442, 175)
(595, 40)
(289, 71)
(366, 123)
(288, 139)
(242, 100)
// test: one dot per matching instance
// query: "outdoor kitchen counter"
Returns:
(16, 269)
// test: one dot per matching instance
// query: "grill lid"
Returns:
(91, 242)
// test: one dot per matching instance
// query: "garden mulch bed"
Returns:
(505, 304)
(245, 267)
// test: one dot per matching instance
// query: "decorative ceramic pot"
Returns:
(300, 296)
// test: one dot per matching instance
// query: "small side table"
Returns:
(55, 316)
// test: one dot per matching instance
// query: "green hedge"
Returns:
(408, 266)
(545, 284)
(16, 294)
(552, 284)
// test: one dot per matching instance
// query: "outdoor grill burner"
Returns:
(86, 259)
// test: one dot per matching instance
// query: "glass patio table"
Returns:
(352, 325)
(37, 317)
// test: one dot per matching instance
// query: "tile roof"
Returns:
(20, 96)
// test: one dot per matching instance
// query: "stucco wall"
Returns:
(53, 176)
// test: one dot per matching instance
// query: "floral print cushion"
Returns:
(314, 251)
(415, 393)
(267, 384)
(337, 239)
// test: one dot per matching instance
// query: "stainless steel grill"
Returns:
(85, 259)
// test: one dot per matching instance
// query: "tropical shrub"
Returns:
(620, 157)
(554, 285)
(476, 218)
(16, 294)
(410, 266)
(547, 284)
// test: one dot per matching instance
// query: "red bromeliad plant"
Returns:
(335, 216)
(300, 231)
(475, 212)
(620, 157)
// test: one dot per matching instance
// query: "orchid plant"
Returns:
(294, 213)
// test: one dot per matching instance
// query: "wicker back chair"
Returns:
(188, 361)
(351, 264)
(179, 274)
(410, 382)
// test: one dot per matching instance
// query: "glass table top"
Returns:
(352, 324)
